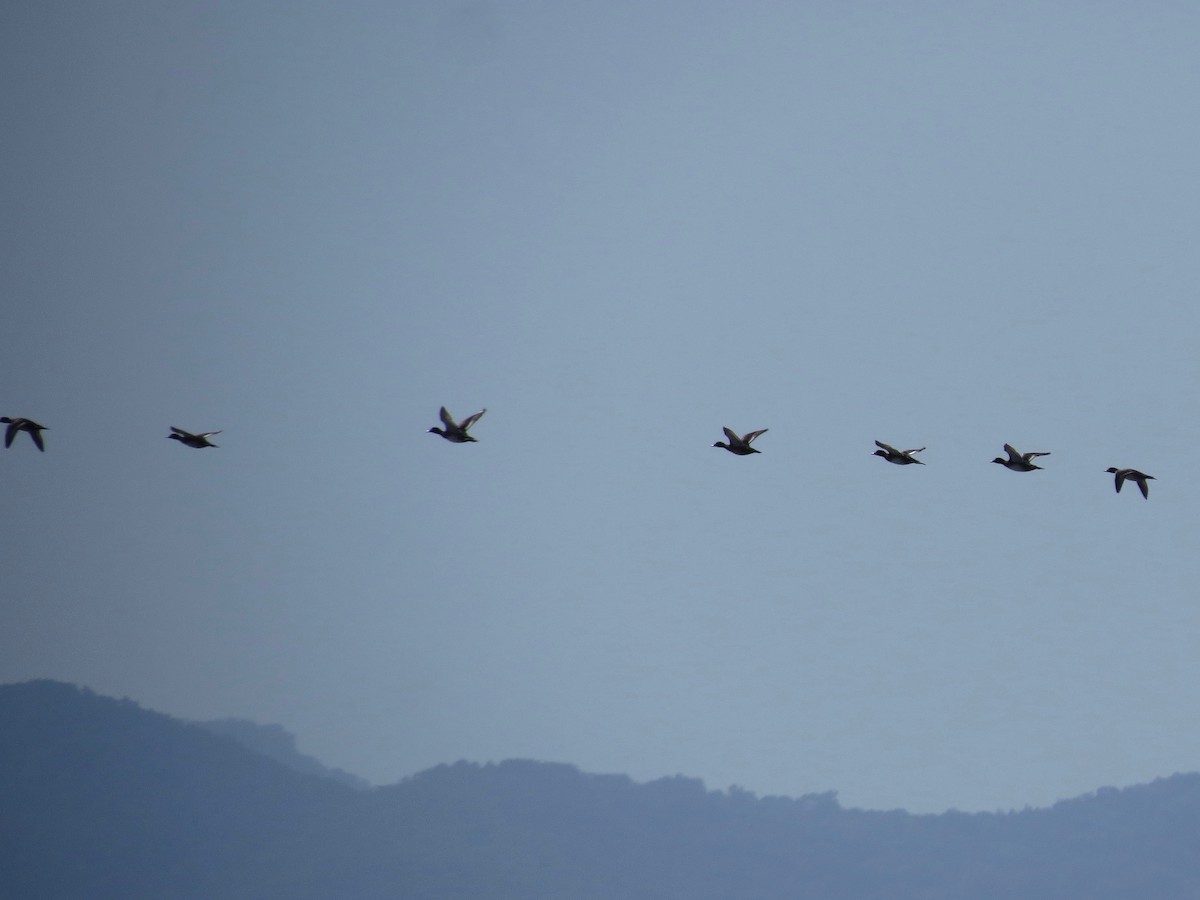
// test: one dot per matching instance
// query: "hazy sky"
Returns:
(618, 226)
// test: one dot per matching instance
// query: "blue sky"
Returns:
(618, 227)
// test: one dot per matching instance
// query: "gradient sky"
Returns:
(618, 226)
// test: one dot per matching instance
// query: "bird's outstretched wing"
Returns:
(471, 420)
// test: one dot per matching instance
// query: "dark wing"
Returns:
(1145, 486)
(1014, 455)
(447, 419)
(181, 432)
(471, 420)
(1120, 479)
(888, 448)
(10, 433)
(1029, 456)
(733, 438)
(749, 436)
(37, 439)
(911, 452)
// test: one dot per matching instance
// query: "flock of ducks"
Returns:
(34, 430)
(739, 445)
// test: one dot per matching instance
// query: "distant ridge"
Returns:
(279, 744)
(100, 798)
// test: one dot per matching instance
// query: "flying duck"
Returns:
(27, 425)
(456, 432)
(740, 445)
(1133, 475)
(899, 457)
(1017, 461)
(192, 440)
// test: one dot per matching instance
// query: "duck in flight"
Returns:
(899, 457)
(1140, 478)
(1017, 461)
(740, 445)
(192, 440)
(30, 427)
(456, 432)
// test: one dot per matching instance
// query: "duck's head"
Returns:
(879, 453)
(1000, 460)
(1111, 470)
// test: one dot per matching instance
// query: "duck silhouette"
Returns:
(192, 440)
(30, 427)
(899, 457)
(1140, 478)
(1018, 461)
(740, 445)
(456, 432)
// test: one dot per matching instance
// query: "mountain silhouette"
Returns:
(279, 744)
(100, 798)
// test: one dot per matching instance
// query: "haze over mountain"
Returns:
(103, 799)
(279, 744)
